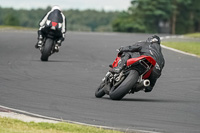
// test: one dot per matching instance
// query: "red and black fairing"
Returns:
(143, 64)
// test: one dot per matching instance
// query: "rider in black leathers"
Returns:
(55, 15)
(152, 48)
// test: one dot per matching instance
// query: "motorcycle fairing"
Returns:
(136, 63)
(115, 63)
(143, 64)
(133, 60)
(148, 58)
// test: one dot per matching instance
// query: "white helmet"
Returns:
(55, 7)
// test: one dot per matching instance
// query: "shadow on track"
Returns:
(70, 61)
(150, 100)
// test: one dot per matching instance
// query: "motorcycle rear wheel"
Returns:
(120, 91)
(46, 51)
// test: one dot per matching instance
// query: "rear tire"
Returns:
(46, 51)
(99, 93)
(119, 92)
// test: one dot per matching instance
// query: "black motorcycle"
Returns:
(48, 46)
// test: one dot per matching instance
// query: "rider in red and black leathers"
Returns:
(152, 48)
(55, 15)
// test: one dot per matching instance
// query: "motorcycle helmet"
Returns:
(154, 39)
(55, 8)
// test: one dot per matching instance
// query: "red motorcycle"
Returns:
(133, 78)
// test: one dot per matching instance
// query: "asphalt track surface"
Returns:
(64, 86)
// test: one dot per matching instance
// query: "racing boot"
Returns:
(122, 64)
(39, 43)
(57, 46)
(148, 89)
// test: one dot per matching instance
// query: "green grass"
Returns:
(195, 35)
(5, 27)
(8, 125)
(189, 47)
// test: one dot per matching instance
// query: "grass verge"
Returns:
(189, 47)
(195, 35)
(5, 27)
(8, 125)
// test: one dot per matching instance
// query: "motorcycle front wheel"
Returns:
(46, 51)
(100, 90)
(117, 93)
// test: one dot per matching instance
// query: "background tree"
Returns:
(90, 20)
(186, 14)
(11, 20)
(145, 15)
(182, 16)
(126, 23)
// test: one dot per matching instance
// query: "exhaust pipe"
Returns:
(141, 85)
(146, 82)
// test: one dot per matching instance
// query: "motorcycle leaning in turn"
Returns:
(132, 78)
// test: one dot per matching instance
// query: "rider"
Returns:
(55, 15)
(150, 47)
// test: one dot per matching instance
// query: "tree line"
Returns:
(87, 20)
(145, 16)
(158, 16)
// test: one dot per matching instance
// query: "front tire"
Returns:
(119, 92)
(46, 51)
(100, 90)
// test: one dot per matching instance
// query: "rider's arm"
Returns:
(64, 27)
(133, 48)
(44, 19)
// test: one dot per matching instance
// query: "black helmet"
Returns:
(154, 39)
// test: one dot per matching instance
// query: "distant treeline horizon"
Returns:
(77, 20)
(143, 16)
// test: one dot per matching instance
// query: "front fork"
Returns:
(111, 80)
(107, 80)
(107, 75)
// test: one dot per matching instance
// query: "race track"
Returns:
(64, 86)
